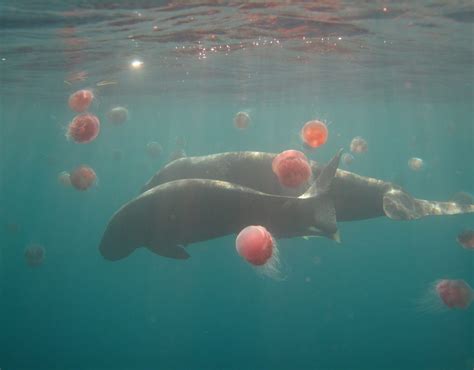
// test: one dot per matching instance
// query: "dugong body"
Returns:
(180, 212)
(355, 197)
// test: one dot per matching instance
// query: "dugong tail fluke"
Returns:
(399, 205)
(325, 211)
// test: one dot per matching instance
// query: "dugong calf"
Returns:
(177, 213)
(355, 197)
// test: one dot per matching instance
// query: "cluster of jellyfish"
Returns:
(85, 128)
(256, 245)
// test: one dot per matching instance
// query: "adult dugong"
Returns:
(355, 197)
(177, 213)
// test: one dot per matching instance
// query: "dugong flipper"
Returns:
(181, 212)
(355, 197)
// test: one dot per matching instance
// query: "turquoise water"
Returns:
(400, 77)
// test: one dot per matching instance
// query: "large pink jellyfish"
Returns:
(292, 168)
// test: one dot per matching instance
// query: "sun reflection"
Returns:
(136, 64)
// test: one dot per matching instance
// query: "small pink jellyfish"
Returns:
(314, 133)
(359, 145)
(454, 293)
(154, 149)
(466, 239)
(118, 115)
(257, 246)
(34, 255)
(242, 120)
(81, 100)
(347, 159)
(64, 178)
(292, 168)
(416, 164)
(446, 294)
(83, 177)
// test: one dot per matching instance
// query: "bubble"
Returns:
(84, 128)
(466, 239)
(83, 178)
(34, 255)
(117, 115)
(347, 159)
(154, 149)
(314, 133)
(359, 145)
(416, 164)
(292, 168)
(81, 100)
(241, 120)
(64, 178)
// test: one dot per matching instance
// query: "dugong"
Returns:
(172, 215)
(355, 197)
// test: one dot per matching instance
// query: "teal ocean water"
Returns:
(398, 74)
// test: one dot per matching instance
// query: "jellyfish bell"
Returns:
(83, 177)
(154, 149)
(257, 246)
(84, 128)
(242, 120)
(81, 100)
(314, 134)
(454, 293)
(291, 168)
(118, 115)
(34, 255)
(416, 164)
(64, 178)
(347, 159)
(466, 239)
(446, 294)
(359, 145)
